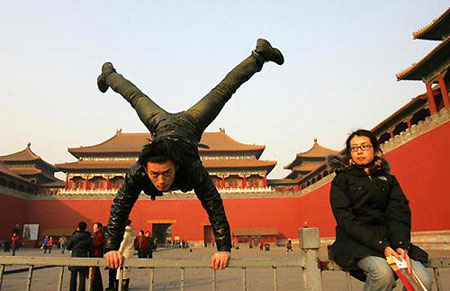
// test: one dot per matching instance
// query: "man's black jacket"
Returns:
(80, 243)
(190, 175)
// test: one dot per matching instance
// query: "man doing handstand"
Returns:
(171, 160)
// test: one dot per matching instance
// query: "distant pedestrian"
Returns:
(141, 244)
(62, 243)
(98, 239)
(50, 245)
(289, 246)
(150, 245)
(7, 245)
(14, 243)
(261, 245)
(80, 243)
(45, 243)
(126, 249)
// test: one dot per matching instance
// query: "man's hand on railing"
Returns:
(114, 259)
(220, 260)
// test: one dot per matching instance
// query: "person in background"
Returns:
(373, 216)
(142, 245)
(62, 243)
(45, 243)
(14, 243)
(126, 249)
(50, 245)
(98, 239)
(289, 246)
(80, 243)
(150, 245)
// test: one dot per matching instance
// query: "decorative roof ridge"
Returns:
(414, 65)
(26, 151)
(118, 134)
(418, 33)
(316, 145)
(223, 133)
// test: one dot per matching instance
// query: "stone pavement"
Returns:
(200, 279)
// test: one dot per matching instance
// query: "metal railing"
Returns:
(181, 264)
(309, 265)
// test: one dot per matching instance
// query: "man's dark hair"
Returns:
(160, 151)
(82, 225)
(99, 225)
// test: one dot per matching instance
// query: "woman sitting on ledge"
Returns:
(373, 216)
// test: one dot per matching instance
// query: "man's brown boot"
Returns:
(107, 69)
(268, 53)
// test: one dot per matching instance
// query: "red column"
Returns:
(223, 181)
(444, 91)
(408, 121)
(88, 184)
(265, 180)
(391, 133)
(431, 100)
(108, 184)
(66, 185)
(244, 182)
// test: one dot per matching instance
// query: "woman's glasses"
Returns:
(363, 147)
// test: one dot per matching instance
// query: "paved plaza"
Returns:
(200, 279)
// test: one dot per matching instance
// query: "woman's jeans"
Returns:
(380, 276)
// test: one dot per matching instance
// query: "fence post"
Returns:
(309, 241)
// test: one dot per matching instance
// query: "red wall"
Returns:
(12, 212)
(421, 166)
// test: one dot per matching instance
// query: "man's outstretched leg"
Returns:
(207, 109)
(148, 111)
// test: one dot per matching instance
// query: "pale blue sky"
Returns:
(339, 75)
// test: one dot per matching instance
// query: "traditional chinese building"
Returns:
(33, 168)
(10, 181)
(303, 164)
(231, 164)
(432, 69)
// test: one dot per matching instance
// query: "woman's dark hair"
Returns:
(361, 132)
(159, 152)
(99, 225)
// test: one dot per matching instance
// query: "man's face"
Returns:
(162, 175)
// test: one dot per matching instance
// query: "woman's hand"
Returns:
(400, 254)
(404, 255)
(388, 251)
(114, 259)
(220, 260)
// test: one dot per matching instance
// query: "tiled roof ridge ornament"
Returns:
(315, 139)
(118, 131)
(29, 144)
